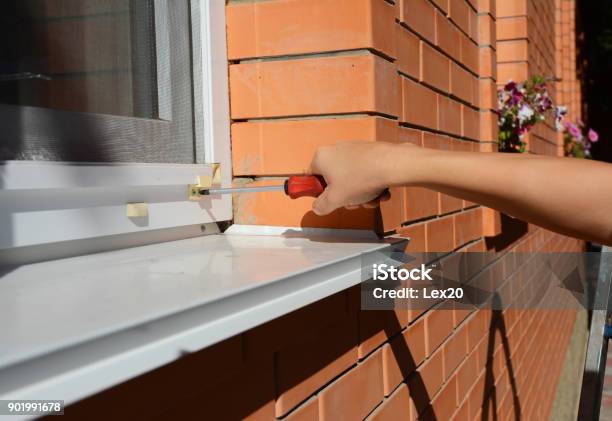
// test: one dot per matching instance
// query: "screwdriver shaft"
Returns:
(243, 190)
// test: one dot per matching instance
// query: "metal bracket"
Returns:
(205, 182)
(137, 210)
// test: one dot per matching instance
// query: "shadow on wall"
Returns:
(197, 388)
(489, 397)
(512, 230)
(240, 377)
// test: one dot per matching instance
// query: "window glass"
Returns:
(96, 81)
(94, 56)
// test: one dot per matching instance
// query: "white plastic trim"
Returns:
(152, 304)
(45, 202)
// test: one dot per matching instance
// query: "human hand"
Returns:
(356, 174)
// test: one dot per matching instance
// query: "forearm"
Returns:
(570, 196)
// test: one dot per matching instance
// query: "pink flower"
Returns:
(593, 136)
(545, 104)
(516, 98)
(575, 131)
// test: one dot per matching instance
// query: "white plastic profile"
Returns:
(70, 328)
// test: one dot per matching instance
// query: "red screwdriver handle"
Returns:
(304, 186)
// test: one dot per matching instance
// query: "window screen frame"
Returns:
(100, 191)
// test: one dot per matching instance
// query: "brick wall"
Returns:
(305, 73)
(569, 88)
(526, 46)
(333, 361)
(538, 37)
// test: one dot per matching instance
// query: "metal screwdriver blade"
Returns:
(242, 190)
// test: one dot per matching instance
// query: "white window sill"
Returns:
(73, 327)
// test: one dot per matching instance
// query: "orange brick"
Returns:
(488, 94)
(448, 36)
(376, 327)
(408, 52)
(467, 375)
(364, 381)
(455, 350)
(420, 104)
(473, 4)
(424, 385)
(262, 209)
(515, 50)
(471, 123)
(438, 326)
(449, 115)
(488, 126)
(444, 404)
(473, 25)
(420, 203)
(263, 29)
(462, 413)
(434, 68)
(413, 136)
(461, 311)
(468, 226)
(419, 15)
(321, 85)
(486, 6)
(309, 411)
(447, 204)
(439, 235)
(469, 53)
(512, 71)
(416, 234)
(442, 4)
(279, 147)
(511, 28)
(392, 211)
(402, 355)
(511, 8)
(435, 141)
(488, 65)
(464, 146)
(301, 369)
(486, 30)
(398, 407)
(459, 13)
(461, 83)
(491, 222)
(475, 92)
(475, 398)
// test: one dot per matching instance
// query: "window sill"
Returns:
(74, 327)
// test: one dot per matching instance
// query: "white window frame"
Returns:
(49, 202)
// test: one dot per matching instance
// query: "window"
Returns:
(104, 103)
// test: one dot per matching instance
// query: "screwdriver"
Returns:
(294, 187)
